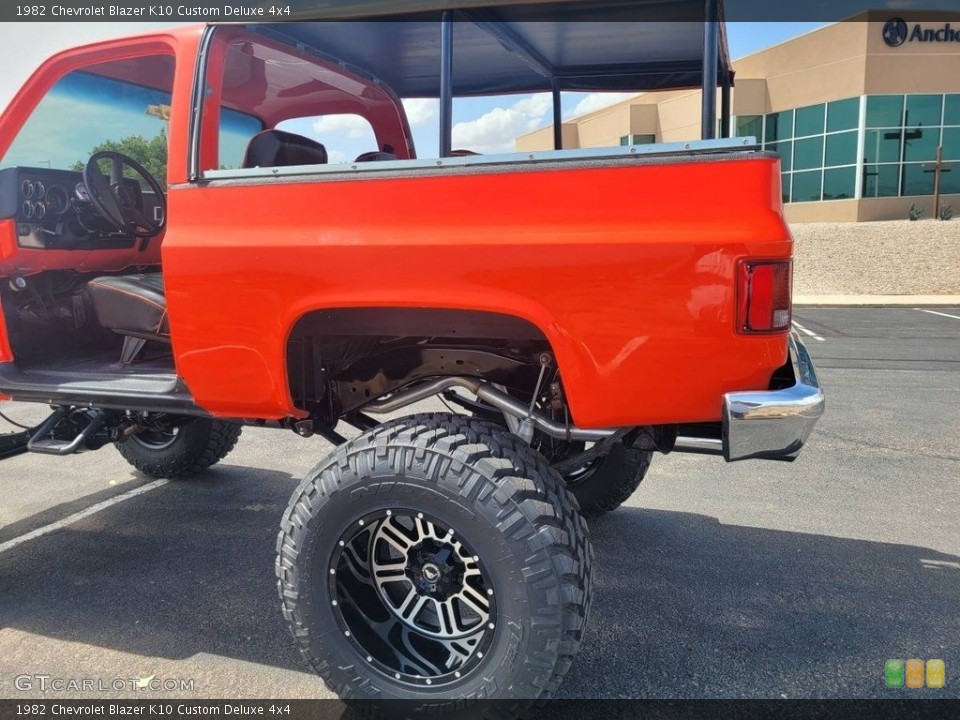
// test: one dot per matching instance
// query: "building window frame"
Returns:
(861, 148)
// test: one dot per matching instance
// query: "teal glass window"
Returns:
(951, 144)
(839, 183)
(644, 139)
(884, 111)
(809, 120)
(916, 180)
(750, 126)
(625, 140)
(951, 110)
(779, 126)
(806, 186)
(923, 110)
(843, 114)
(950, 182)
(882, 145)
(920, 143)
(881, 180)
(808, 153)
(785, 151)
(841, 149)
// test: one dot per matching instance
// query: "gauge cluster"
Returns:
(40, 202)
(52, 210)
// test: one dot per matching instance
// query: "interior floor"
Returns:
(101, 380)
(63, 355)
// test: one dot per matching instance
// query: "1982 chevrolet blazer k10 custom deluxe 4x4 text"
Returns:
(162, 292)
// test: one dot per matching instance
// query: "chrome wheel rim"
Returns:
(412, 597)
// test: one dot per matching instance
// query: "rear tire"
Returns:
(455, 486)
(184, 451)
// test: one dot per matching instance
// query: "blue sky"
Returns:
(485, 125)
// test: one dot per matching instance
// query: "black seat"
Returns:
(133, 306)
(278, 148)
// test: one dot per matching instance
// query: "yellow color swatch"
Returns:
(936, 673)
(914, 673)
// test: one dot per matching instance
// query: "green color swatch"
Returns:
(894, 673)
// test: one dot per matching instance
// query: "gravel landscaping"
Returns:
(877, 258)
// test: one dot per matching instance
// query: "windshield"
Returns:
(85, 113)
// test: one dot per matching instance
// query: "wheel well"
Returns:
(338, 360)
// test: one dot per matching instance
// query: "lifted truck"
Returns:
(583, 309)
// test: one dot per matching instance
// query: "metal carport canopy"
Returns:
(516, 46)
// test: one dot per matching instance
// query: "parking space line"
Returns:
(805, 331)
(941, 314)
(71, 519)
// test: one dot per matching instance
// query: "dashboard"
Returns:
(51, 210)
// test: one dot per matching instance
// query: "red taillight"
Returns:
(765, 296)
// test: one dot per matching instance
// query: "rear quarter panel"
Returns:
(627, 266)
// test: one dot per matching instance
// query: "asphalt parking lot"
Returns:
(756, 579)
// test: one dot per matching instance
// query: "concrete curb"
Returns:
(878, 300)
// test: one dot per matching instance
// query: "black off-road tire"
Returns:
(496, 494)
(199, 443)
(617, 477)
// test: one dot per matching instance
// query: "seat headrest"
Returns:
(277, 148)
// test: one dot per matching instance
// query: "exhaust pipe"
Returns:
(513, 408)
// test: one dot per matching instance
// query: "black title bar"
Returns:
(596, 10)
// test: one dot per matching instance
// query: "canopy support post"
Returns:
(446, 83)
(557, 118)
(725, 106)
(711, 59)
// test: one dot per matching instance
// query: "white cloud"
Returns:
(596, 101)
(496, 130)
(420, 110)
(353, 125)
(336, 156)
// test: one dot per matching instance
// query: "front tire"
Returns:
(180, 451)
(435, 558)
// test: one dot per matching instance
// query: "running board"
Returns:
(45, 443)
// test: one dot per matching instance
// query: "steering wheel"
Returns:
(113, 200)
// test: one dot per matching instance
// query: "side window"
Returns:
(122, 106)
(236, 129)
(345, 136)
(282, 105)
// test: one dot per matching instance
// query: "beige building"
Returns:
(856, 110)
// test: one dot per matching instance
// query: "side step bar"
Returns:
(45, 442)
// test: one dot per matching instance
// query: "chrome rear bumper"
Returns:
(774, 424)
